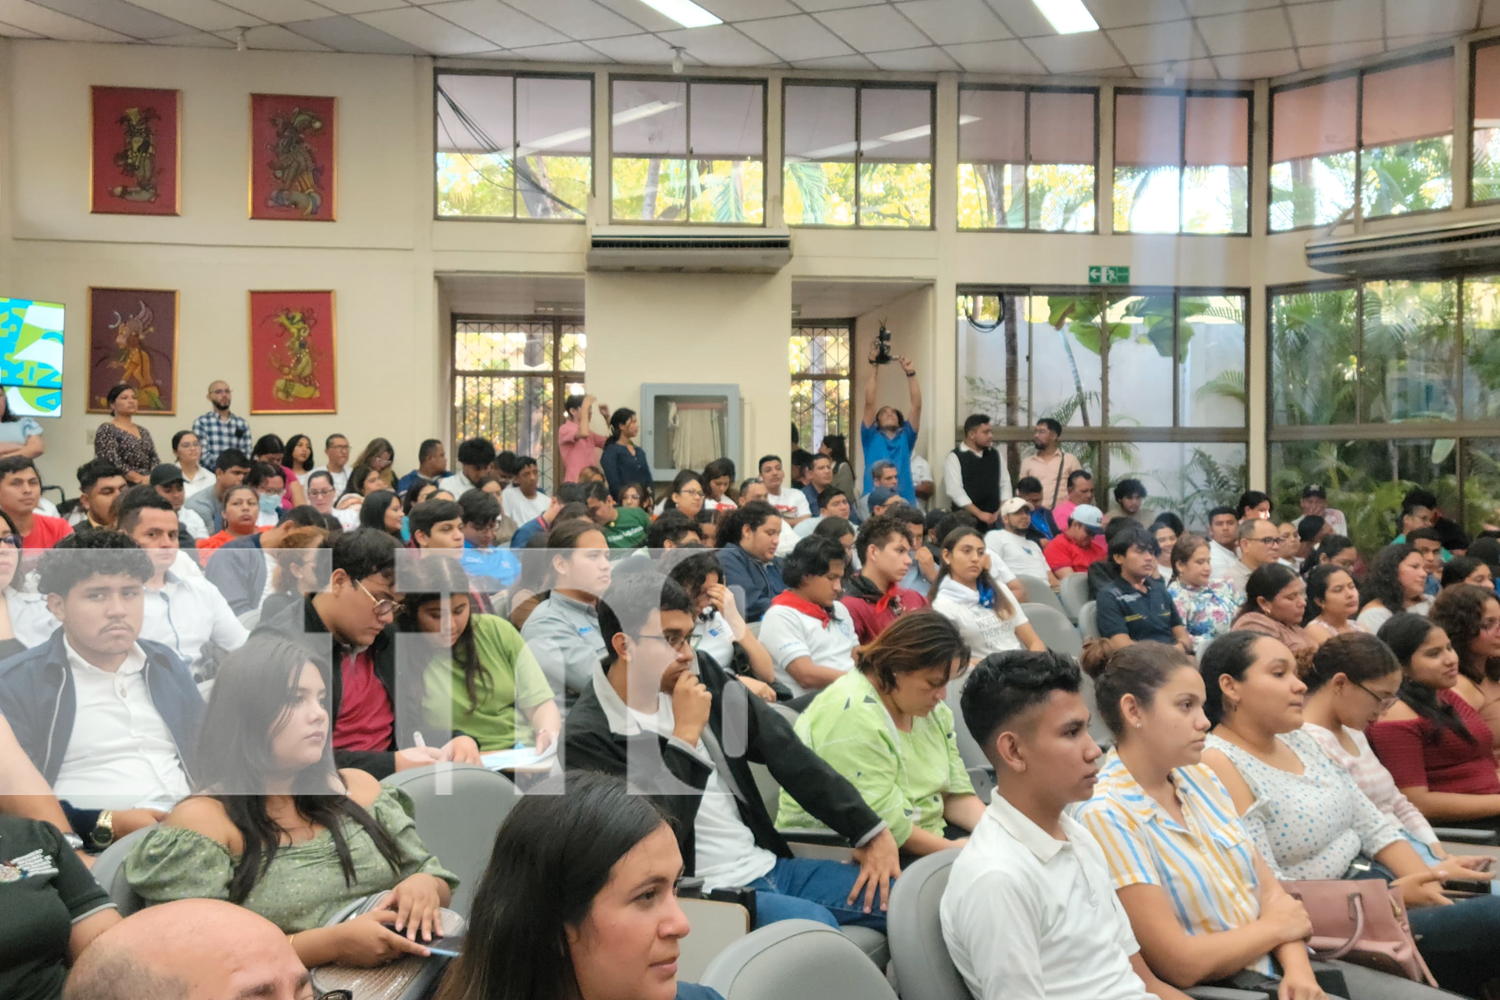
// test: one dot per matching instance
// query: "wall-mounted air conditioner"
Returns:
(620, 248)
(1414, 251)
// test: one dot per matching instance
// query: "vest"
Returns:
(981, 475)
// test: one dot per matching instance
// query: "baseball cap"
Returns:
(1089, 516)
(166, 473)
(882, 495)
(1314, 490)
(1014, 504)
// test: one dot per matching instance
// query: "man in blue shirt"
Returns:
(1136, 606)
(885, 434)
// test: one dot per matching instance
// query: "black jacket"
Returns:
(757, 734)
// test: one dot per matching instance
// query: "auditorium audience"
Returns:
(20, 493)
(24, 618)
(275, 827)
(819, 478)
(1394, 583)
(121, 441)
(1224, 541)
(1049, 464)
(578, 900)
(1275, 605)
(230, 469)
(1010, 543)
(1166, 529)
(748, 537)
(718, 482)
(687, 737)
(475, 456)
(563, 629)
(1336, 549)
(1135, 605)
(381, 510)
(100, 482)
(1206, 606)
(522, 500)
(987, 614)
(808, 632)
(883, 477)
(241, 568)
(789, 502)
(719, 630)
(19, 435)
(1428, 542)
(219, 430)
(1314, 503)
(363, 480)
(624, 462)
(885, 727)
(380, 456)
(577, 441)
(686, 495)
(874, 596)
(1259, 545)
(1332, 603)
(270, 451)
(1311, 821)
(1079, 545)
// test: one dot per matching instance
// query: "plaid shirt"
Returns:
(220, 435)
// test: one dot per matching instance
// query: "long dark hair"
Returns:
(357, 477)
(1266, 582)
(287, 458)
(1383, 582)
(1231, 653)
(552, 857)
(838, 449)
(372, 511)
(918, 640)
(1328, 547)
(682, 479)
(431, 580)
(253, 690)
(1002, 607)
(1404, 634)
(617, 421)
(1457, 611)
(1317, 589)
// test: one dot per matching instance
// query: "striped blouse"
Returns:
(1207, 868)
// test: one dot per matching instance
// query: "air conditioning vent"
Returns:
(761, 251)
(1465, 245)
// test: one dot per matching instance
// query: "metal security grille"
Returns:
(511, 376)
(819, 357)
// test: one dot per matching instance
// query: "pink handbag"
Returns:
(1361, 921)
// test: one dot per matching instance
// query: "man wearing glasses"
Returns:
(685, 736)
(350, 625)
(336, 449)
(1260, 543)
(218, 429)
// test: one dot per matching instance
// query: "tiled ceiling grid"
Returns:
(1190, 39)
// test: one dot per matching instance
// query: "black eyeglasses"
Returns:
(1383, 701)
(10, 541)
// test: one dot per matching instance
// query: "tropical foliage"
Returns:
(1393, 180)
(891, 195)
(716, 192)
(1213, 199)
(484, 185)
(1043, 197)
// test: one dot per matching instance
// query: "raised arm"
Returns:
(868, 417)
(914, 417)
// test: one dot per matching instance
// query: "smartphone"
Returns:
(451, 930)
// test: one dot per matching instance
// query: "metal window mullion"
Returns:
(859, 93)
(1359, 156)
(515, 149)
(1026, 175)
(1181, 182)
(1176, 353)
(687, 164)
(1359, 345)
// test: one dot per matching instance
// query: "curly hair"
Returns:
(91, 553)
(1382, 581)
(1457, 611)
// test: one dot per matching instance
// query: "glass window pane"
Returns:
(895, 195)
(992, 158)
(650, 118)
(728, 120)
(1481, 348)
(728, 192)
(1407, 103)
(1211, 361)
(649, 189)
(554, 135)
(1313, 120)
(991, 196)
(992, 351)
(1481, 462)
(818, 182)
(895, 125)
(1140, 361)
(1407, 177)
(1216, 176)
(1187, 479)
(570, 351)
(1218, 131)
(1146, 199)
(1060, 173)
(1409, 355)
(1066, 371)
(1486, 184)
(1312, 191)
(1061, 197)
(820, 350)
(1216, 200)
(475, 146)
(493, 346)
(818, 194)
(1314, 340)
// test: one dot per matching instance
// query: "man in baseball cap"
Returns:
(883, 499)
(1080, 545)
(1315, 501)
(1012, 544)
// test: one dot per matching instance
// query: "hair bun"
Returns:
(1096, 656)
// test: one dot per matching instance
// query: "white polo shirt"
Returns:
(1221, 561)
(789, 634)
(1020, 554)
(519, 509)
(792, 502)
(1027, 917)
(712, 635)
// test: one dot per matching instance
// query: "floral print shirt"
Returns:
(1207, 611)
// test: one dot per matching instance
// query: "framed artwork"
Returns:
(133, 339)
(135, 165)
(31, 357)
(293, 353)
(292, 157)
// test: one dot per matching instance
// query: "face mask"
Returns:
(270, 503)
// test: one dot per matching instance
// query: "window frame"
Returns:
(440, 71)
(860, 86)
(1473, 98)
(1358, 73)
(847, 377)
(1027, 90)
(688, 82)
(1182, 94)
(558, 376)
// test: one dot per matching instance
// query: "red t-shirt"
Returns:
(1419, 753)
(366, 720)
(1063, 553)
(46, 532)
(870, 621)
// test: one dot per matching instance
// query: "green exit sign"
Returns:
(1104, 275)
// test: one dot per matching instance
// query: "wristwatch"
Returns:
(104, 829)
(74, 842)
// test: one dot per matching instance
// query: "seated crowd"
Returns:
(225, 658)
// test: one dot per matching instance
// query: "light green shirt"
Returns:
(515, 684)
(902, 776)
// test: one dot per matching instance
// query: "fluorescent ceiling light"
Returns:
(1068, 17)
(684, 12)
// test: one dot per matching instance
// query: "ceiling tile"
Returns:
(644, 18)
(275, 37)
(954, 21)
(930, 59)
(356, 6)
(500, 24)
(577, 18)
(1205, 8)
(814, 6)
(720, 45)
(1123, 13)
(11, 31)
(1075, 53)
(206, 15)
(1022, 18)
(117, 15)
(1405, 17)
(1318, 56)
(795, 39)
(1194, 69)
(195, 40)
(280, 11)
(854, 61)
(426, 30)
(1257, 31)
(1169, 42)
(748, 10)
(1336, 21)
(642, 50)
(995, 57)
(1254, 65)
(566, 52)
(50, 24)
(873, 29)
(345, 34)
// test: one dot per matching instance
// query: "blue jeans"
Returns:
(1456, 941)
(812, 889)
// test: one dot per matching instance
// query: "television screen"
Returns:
(31, 356)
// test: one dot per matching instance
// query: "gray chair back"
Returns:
(918, 952)
(1037, 592)
(109, 872)
(796, 960)
(459, 810)
(1097, 729)
(1054, 629)
(1074, 593)
(1088, 622)
(968, 746)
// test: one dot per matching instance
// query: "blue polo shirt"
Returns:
(881, 447)
(1145, 617)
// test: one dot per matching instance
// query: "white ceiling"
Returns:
(1204, 39)
(845, 299)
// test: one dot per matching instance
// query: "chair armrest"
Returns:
(823, 852)
(822, 836)
(824, 845)
(1466, 836)
(1221, 993)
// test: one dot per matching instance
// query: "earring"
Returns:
(1137, 725)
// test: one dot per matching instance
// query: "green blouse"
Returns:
(517, 685)
(304, 887)
(902, 776)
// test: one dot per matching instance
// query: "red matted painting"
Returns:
(292, 151)
(133, 339)
(293, 353)
(135, 166)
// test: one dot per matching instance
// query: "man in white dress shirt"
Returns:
(1223, 542)
(1030, 911)
(522, 501)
